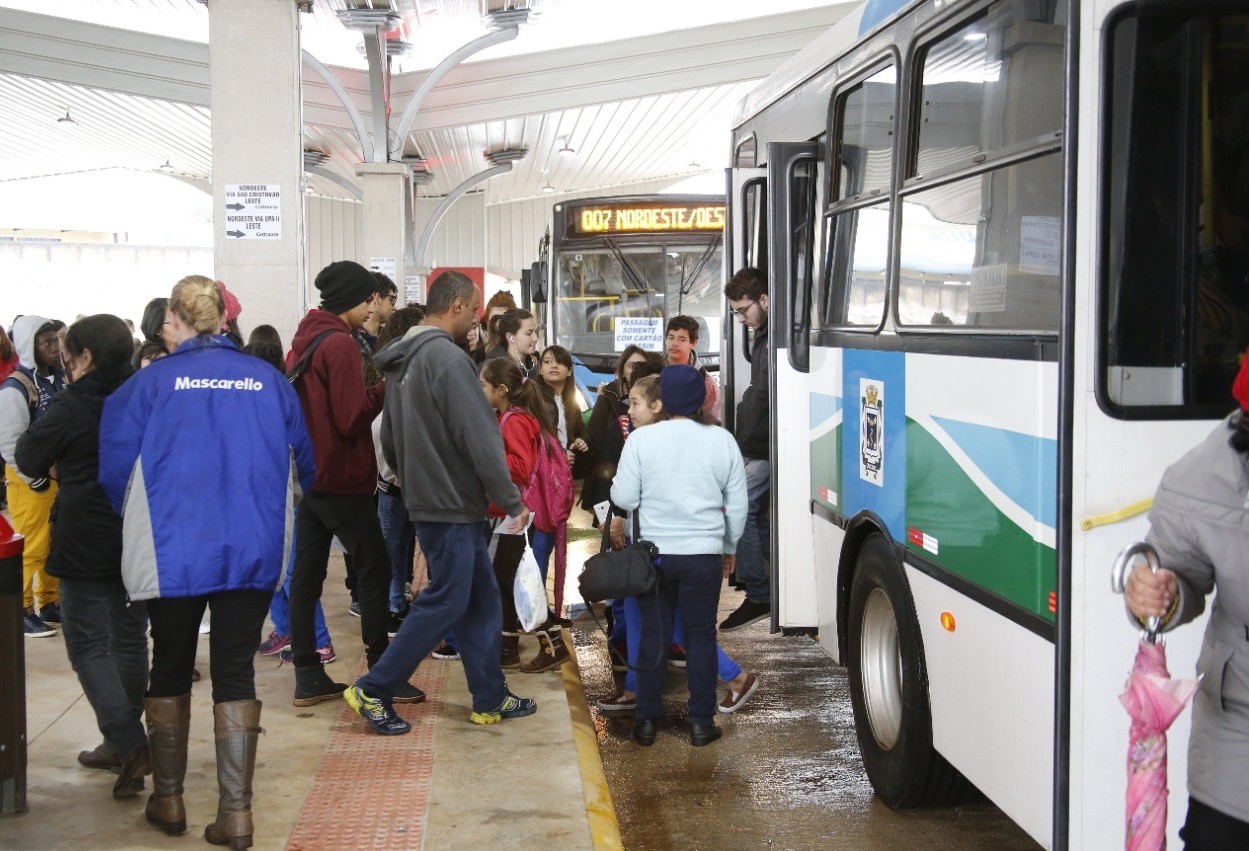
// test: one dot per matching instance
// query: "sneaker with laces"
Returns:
(379, 713)
(445, 652)
(273, 645)
(394, 620)
(51, 613)
(735, 700)
(407, 693)
(326, 654)
(676, 656)
(354, 609)
(746, 614)
(511, 707)
(34, 626)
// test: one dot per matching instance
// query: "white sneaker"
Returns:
(735, 700)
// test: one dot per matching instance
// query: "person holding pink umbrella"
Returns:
(1200, 531)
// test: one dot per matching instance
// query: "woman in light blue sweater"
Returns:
(685, 479)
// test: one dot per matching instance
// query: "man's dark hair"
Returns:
(385, 286)
(684, 323)
(399, 323)
(267, 352)
(109, 340)
(747, 282)
(445, 289)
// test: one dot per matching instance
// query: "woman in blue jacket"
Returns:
(205, 454)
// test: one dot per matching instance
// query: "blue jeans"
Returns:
(754, 546)
(463, 596)
(106, 641)
(632, 620)
(689, 584)
(280, 608)
(399, 533)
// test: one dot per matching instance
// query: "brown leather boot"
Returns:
(237, 728)
(168, 727)
(134, 768)
(551, 652)
(509, 651)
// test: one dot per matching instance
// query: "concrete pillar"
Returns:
(385, 218)
(257, 146)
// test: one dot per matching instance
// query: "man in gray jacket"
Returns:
(442, 438)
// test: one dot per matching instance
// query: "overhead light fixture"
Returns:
(566, 150)
(165, 166)
(548, 188)
(694, 163)
(66, 121)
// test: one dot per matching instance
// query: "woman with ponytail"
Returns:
(206, 427)
(524, 414)
(517, 334)
(105, 636)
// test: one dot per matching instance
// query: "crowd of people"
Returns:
(439, 435)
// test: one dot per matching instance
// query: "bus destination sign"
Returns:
(644, 218)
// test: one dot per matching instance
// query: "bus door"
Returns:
(745, 245)
(794, 183)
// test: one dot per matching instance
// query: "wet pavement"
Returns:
(786, 775)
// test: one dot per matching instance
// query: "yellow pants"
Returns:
(32, 518)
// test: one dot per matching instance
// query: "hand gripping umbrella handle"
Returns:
(1119, 576)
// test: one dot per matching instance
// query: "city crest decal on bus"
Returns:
(872, 431)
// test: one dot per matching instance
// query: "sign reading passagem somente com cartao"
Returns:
(253, 211)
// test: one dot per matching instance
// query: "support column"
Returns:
(257, 146)
(385, 218)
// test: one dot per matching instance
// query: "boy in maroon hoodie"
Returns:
(339, 412)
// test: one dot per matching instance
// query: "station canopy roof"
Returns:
(602, 94)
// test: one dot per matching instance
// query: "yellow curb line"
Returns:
(599, 806)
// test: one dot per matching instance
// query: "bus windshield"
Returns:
(596, 286)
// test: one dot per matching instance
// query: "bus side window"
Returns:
(857, 244)
(1175, 304)
(755, 234)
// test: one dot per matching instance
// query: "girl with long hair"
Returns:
(517, 334)
(524, 413)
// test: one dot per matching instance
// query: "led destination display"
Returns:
(644, 218)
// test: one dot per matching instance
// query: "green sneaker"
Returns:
(511, 707)
(379, 713)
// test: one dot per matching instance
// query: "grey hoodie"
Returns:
(439, 433)
(14, 408)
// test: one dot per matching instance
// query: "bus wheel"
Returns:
(889, 688)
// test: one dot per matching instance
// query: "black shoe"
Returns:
(354, 611)
(394, 620)
(445, 652)
(407, 693)
(747, 613)
(313, 686)
(51, 613)
(704, 734)
(644, 732)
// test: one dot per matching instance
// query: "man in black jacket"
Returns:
(747, 292)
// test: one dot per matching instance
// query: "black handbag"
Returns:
(611, 574)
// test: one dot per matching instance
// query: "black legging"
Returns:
(237, 619)
(506, 559)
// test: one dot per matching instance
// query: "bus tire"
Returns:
(889, 688)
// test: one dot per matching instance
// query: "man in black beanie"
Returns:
(339, 412)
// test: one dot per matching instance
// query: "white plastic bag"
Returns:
(529, 592)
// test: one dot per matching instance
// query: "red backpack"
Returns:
(549, 494)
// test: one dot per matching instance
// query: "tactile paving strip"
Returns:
(371, 791)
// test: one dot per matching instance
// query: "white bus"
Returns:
(1007, 244)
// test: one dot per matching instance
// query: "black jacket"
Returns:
(752, 427)
(86, 536)
(605, 435)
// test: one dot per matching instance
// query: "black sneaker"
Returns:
(511, 707)
(445, 652)
(51, 613)
(379, 713)
(676, 656)
(408, 693)
(394, 620)
(747, 613)
(354, 609)
(34, 626)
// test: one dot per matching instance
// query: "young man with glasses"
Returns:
(747, 293)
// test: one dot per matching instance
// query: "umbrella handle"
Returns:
(1119, 576)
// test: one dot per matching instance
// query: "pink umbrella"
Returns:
(1153, 701)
